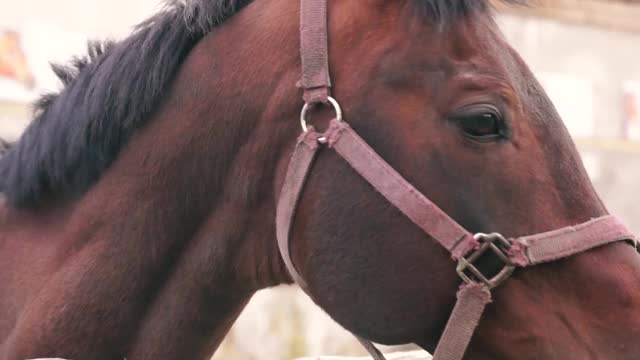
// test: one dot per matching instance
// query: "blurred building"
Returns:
(34, 33)
(585, 52)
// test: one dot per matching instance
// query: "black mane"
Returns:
(108, 94)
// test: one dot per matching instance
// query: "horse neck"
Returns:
(181, 226)
(230, 149)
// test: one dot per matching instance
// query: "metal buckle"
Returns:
(497, 244)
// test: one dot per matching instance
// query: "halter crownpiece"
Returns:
(314, 51)
(465, 248)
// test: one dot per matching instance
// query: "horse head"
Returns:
(436, 90)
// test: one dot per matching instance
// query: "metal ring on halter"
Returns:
(308, 106)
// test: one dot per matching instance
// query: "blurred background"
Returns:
(585, 52)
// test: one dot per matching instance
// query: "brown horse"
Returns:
(139, 207)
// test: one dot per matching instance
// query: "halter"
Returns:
(465, 248)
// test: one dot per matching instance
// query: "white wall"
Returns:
(586, 71)
(91, 17)
(53, 31)
(599, 60)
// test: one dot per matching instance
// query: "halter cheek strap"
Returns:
(465, 248)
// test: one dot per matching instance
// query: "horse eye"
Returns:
(481, 126)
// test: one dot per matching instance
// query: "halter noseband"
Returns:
(465, 248)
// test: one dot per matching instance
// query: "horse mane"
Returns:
(107, 95)
(110, 93)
